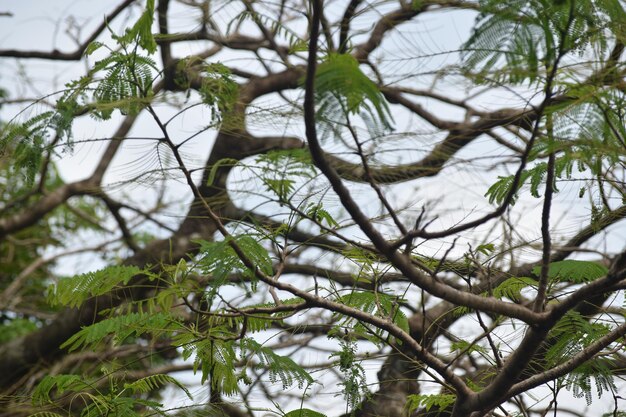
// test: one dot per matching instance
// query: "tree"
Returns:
(365, 232)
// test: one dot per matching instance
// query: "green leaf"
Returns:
(317, 212)
(468, 347)
(141, 32)
(514, 40)
(220, 92)
(282, 170)
(258, 321)
(486, 249)
(579, 381)
(342, 87)
(378, 304)
(571, 334)
(304, 412)
(120, 328)
(126, 86)
(218, 88)
(276, 27)
(428, 401)
(224, 162)
(535, 176)
(354, 379)
(93, 47)
(220, 259)
(60, 383)
(281, 368)
(215, 358)
(74, 291)
(153, 383)
(512, 287)
(27, 142)
(574, 271)
(502, 187)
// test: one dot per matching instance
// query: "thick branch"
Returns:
(54, 199)
(69, 56)
(460, 136)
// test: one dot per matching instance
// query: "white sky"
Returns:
(42, 25)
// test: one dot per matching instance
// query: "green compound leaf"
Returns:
(74, 291)
(304, 412)
(121, 327)
(341, 85)
(59, 383)
(574, 271)
(440, 401)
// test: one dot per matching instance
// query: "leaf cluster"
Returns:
(354, 382)
(343, 89)
(521, 39)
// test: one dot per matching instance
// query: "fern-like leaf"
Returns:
(579, 381)
(120, 328)
(155, 382)
(74, 291)
(220, 260)
(280, 171)
(571, 334)
(304, 412)
(355, 382)
(517, 38)
(574, 271)
(58, 383)
(281, 368)
(379, 304)
(428, 401)
(216, 359)
(141, 32)
(126, 85)
(512, 287)
(340, 84)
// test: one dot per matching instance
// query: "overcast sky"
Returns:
(47, 25)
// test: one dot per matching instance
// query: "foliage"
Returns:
(277, 268)
(74, 291)
(218, 89)
(378, 304)
(280, 171)
(120, 328)
(574, 271)
(220, 259)
(303, 412)
(536, 33)
(355, 381)
(280, 368)
(342, 88)
(440, 401)
(512, 287)
(117, 402)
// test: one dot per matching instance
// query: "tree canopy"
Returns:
(314, 208)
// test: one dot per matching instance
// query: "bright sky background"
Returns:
(42, 25)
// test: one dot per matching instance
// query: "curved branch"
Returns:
(568, 366)
(345, 25)
(21, 354)
(69, 56)
(460, 135)
(234, 41)
(54, 199)
(385, 24)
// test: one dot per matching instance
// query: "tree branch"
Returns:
(68, 56)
